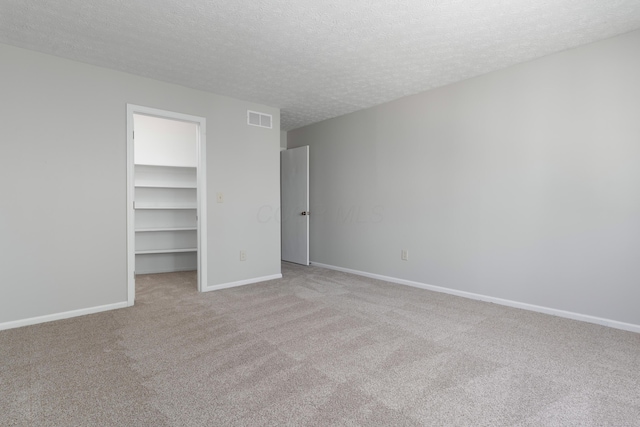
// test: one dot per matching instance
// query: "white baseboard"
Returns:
(546, 310)
(60, 316)
(241, 283)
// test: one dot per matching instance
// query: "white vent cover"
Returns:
(259, 119)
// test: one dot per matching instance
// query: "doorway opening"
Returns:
(166, 188)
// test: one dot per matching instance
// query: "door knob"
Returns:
(305, 213)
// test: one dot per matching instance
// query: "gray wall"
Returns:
(63, 183)
(522, 184)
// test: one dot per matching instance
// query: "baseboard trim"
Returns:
(509, 303)
(60, 316)
(241, 283)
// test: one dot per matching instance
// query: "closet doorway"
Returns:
(166, 206)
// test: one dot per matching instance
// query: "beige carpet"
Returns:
(316, 348)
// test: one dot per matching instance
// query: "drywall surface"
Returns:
(164, 142)
(283, 140)
(63, 183)
(522, 184)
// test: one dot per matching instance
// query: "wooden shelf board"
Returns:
(180, 187)
(165, 251)
(145, 230)
(164, 207)
(166, 166)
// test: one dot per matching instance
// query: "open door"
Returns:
(294, 188)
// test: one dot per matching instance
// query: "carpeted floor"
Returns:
(316, 348)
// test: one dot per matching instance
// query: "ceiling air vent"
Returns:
(259, 119)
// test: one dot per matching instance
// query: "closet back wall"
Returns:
(164, 142)
(165, 155)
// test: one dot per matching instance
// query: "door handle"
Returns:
(305, 213)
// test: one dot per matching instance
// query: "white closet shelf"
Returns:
(145, 230)
(166, 251)
(166, 166)
(164, 207)
(179, 186)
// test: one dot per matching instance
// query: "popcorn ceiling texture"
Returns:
(313, 59)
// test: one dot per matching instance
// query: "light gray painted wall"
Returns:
(522, 184)
(63, 183)
(283, 140)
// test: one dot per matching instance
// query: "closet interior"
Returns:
(165, 200)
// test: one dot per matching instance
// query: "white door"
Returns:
(294, 195)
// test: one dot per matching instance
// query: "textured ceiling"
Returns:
(315, 59)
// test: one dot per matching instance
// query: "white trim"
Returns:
(307, 207)
(63, 315)
(201, 202)
(242, 282)
(131, 232)
(509, 303)
(201, 192)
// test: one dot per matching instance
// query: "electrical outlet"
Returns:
(243, 255)
(220, 198)
(404, 255)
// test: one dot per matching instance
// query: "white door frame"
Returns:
(201, 193)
